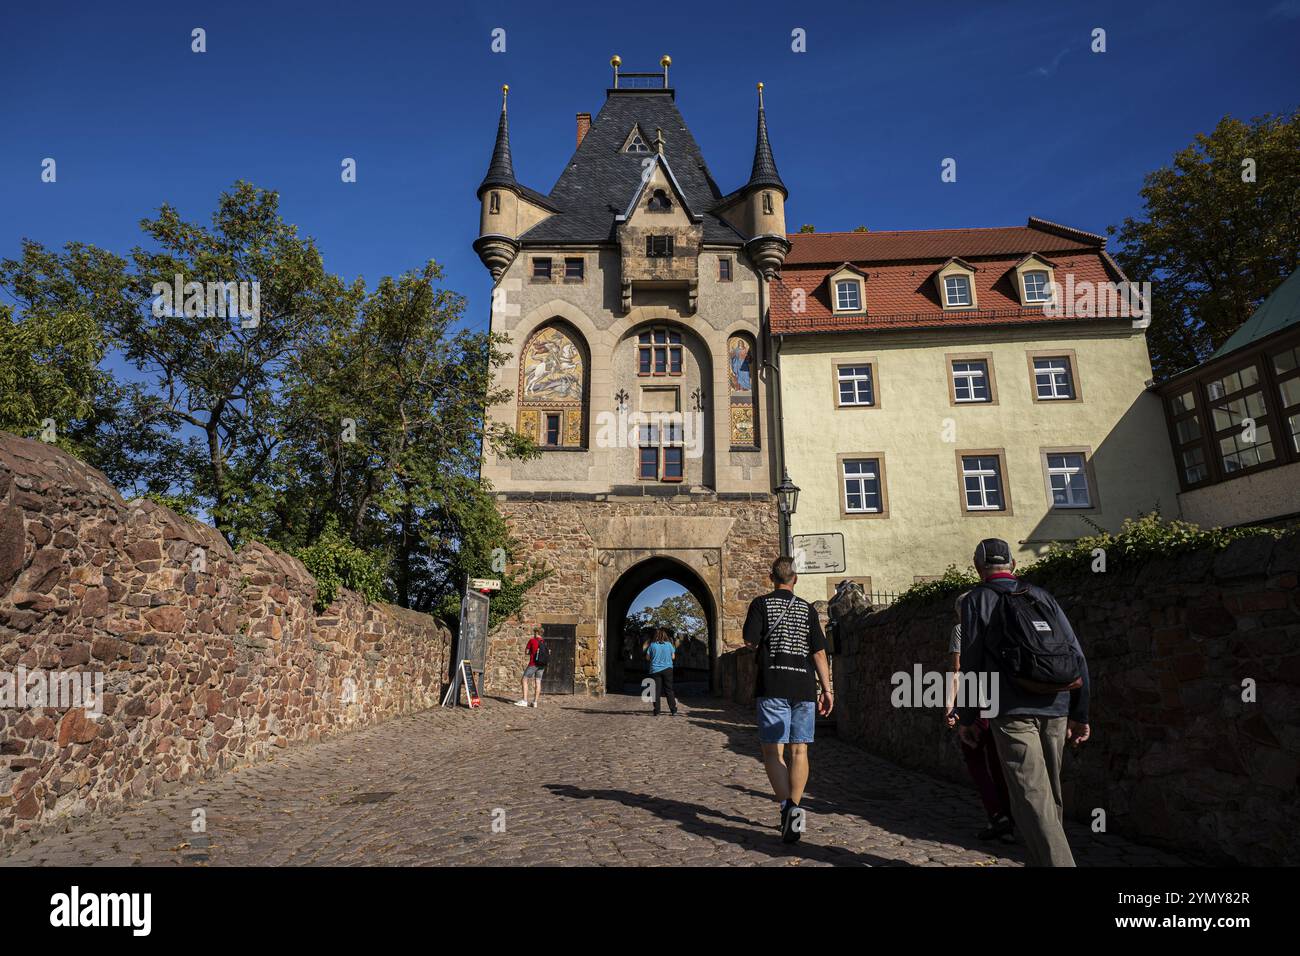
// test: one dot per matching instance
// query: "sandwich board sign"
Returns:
(471, 689)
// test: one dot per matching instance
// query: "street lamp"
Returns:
(787, 500)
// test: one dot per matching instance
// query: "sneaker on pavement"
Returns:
(521, 703)
(795, 820)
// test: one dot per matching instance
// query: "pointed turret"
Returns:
(764, 174)
(501, 171)
(508, 209)
(765, 197)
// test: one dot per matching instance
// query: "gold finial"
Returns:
(505, 91)
(760, 96)
(665, 60)
(615, 61)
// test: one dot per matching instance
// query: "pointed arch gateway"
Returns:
(624, 675)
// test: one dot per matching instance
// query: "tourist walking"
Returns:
(660, 655)
(982, 758)
(786, 633)
(538, 655)
(1016, 634)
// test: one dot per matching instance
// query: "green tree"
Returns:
(384, 430)
(1220, 229)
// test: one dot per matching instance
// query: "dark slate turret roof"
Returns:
(764, 173)
(600, 179)
(501, 171)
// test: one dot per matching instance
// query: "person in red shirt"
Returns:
(532, 672)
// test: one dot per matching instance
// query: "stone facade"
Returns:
(590, 544)
(1177, 757)
(211, 659)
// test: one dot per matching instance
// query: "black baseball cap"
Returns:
(992, 551)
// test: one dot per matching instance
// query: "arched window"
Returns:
(553, 388)
(742, 364)
(659, 201)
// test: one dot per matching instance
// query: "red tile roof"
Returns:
(900, 267)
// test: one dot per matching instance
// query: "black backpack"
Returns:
(1029, 646)
(542, 655)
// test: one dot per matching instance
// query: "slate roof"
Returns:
(1279, 311)
(900, 266)
(600, 178)
(764, 172)
(501, 171)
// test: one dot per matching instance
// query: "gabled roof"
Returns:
(645, 183)
(893, 246)
(600, 179)
(901, 293)
(1279, 311)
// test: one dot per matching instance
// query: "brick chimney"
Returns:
(584, 124)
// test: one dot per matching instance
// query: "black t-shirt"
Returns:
(785, 667)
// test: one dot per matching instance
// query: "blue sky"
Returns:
(1039, 124)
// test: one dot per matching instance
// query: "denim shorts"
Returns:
(785, 721)
(533, 672)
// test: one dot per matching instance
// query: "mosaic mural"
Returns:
(552, 367)
(551, 380)
(740, 383)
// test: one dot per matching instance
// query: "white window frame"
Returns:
(981, 474)
(1064, 468)
(1061, 366)
(861, 479)
(856, 287)
(1044, 295)
(969, 376)
(855, 374)
(949, 300)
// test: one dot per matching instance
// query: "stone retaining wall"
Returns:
(211, 659)
(1177, 757)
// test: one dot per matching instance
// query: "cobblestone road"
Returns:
(577, 781)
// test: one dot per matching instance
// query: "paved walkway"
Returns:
(578, 781)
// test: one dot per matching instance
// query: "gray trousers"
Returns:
(1030, 749)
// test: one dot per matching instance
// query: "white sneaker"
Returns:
(535, 703)
(521, 703)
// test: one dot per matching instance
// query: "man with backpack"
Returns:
(1017, 635)
(791, 658)
(538, 656)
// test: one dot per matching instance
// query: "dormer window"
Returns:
(956, 291)
(659, 201)
(1034, 279)
(636, 144)
(848, 296)
(1037, 287)
(845, 288)
(659, 247)
(956, 283)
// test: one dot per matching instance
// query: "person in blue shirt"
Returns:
(660, 655)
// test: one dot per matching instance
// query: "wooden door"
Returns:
(558, 676)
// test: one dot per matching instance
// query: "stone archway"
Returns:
(630, 583)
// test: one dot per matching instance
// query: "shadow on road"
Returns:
(703, 821)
